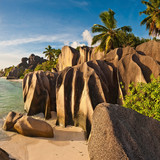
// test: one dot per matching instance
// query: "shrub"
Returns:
(46, 66)
(145, 98)
(7, 70)
(25, 72)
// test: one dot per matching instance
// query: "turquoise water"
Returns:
(11, 98)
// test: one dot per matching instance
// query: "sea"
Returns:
(11, 98)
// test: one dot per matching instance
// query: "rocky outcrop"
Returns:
(34, 60)
(39, 92)
(68, 57)
(16, 72)
(79, 89)
(4, 155)
(27, 125)
(150, 48)
(114, 56)
(71, 57)
(85, 54)
(97, 55)
(75, 91)
(121, 133)
(26, 63)
(135, 68)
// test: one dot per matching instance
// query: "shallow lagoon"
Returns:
(11, 98)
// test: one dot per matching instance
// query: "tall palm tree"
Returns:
(49, 53)
(152, 20)
(108, 36)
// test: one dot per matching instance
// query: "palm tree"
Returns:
(108, 36)
(152, 20)
(49, 53)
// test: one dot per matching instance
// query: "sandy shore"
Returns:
(16, 80)
(68, 143)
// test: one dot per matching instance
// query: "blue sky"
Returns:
(29, 26)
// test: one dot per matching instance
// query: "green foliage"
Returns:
(129, 39)
(145, 98)
(152, 20)
(7, 70)
(52, 53)
(109, 33)
(1, 72)
(78, 48)
(25, 72)
(46, 66)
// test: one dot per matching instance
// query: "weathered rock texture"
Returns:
(79, 89)
(68, 57)
(16, 72)
(27, 125)
(121, 133)
(135, 68)
(151, 48)
(11, 120)
(31, 127)
(39, 92)
(71, 57)
(83, 82)
(26, 63)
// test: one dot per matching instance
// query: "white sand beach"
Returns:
(68, 143)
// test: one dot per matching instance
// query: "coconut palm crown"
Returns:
(49, 53)
(108, 36)
(152, 20)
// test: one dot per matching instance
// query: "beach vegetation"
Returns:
(52, 54)
(25, 72)
(45, 66)
(7, 70)
(145, 98)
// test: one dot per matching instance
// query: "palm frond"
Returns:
(108, 19)
(125, 29)
(146, 12)
(99, 28)
(97, 38)
(148, 4)
(146, 20)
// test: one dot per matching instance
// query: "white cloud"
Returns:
(76, 44)
(87, 37)
(39, 39)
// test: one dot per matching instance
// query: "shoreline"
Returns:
(14, 80)
(68, 143)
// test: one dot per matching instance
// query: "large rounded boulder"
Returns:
(31, 127)
(121, 133)
(150, 48)
(27, 125)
